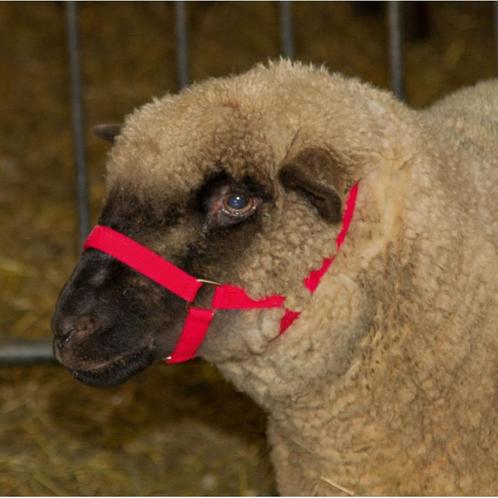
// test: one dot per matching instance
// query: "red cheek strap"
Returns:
(231, 297)
(193, 333)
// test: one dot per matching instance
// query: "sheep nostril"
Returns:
(64, 337)
(74, 328)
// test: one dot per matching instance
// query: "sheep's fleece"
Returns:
(387, 382)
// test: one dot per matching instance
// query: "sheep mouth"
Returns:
(118, 371)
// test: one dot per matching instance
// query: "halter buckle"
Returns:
(206, 282)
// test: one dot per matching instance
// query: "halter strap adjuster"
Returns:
(189, 304)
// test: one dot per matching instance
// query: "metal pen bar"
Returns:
(83, 208)
(25, 352)
(181, 32)
(496, 34)
(395, 26)
(286, 29)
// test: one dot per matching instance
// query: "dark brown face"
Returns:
(111, 322)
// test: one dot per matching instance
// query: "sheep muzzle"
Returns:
(104, 331)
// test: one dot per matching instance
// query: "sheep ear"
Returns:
(107, 132)
(313, 173)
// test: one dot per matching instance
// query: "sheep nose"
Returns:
(70, 329)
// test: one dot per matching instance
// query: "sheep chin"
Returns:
(118, 371)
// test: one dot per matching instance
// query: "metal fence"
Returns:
(22, 352)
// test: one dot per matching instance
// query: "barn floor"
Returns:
(169, 431)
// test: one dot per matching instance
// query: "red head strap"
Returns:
(169, 276)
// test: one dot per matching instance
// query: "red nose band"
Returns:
(150, 264)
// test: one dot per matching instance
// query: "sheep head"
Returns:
(239, 180)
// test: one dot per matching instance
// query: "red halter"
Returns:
(172, 278)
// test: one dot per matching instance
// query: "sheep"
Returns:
(386, 382)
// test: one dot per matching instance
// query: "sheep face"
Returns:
(238, 181)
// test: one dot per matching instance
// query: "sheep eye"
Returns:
(226, 207)
(238, 205)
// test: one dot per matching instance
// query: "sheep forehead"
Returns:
(244, 123)
(177, 140)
